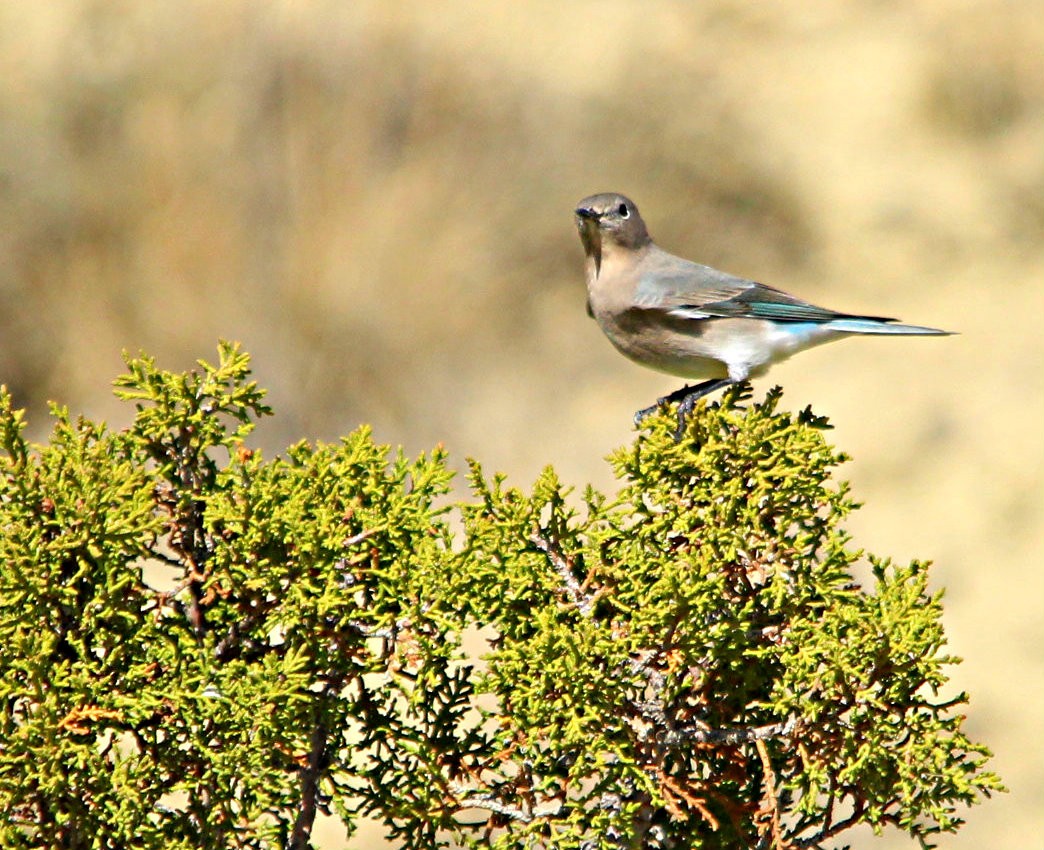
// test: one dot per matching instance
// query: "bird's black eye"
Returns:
(623, 211)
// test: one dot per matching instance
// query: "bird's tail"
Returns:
(882, 326)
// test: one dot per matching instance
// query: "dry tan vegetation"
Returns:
(376, 199)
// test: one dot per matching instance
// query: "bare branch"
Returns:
(359, 538)
(840, 826)
(300, 839)
(583, 601)
(488, 802)
(730, 736)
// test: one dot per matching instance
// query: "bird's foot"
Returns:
(646, 412)
(685, 407)
(663, 401)
(686, 397)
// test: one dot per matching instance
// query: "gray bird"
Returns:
(693, 321)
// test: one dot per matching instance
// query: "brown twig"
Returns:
(771, 799)
(311, 773)
(840, 826)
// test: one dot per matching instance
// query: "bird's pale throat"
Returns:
(592, 239)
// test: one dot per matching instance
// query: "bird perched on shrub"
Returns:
(693, 321)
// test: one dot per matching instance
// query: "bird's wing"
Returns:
(690, 291)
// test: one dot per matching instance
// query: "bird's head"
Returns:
(606, 221)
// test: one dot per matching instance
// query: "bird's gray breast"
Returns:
(660, 341)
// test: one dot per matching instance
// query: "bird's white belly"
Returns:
(748, 347)
(718, 348)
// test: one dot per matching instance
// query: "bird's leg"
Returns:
(670, 398)
(681, 395)
(687, 403)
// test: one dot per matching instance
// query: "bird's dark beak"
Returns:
(587, 223)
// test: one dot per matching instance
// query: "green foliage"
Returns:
(207, 648)
(691, 663)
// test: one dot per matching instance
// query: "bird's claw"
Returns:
(643, 414)
(685, 407)
(686, 398)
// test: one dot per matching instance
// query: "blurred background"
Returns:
(376, 199)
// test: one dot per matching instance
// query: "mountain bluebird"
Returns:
(693, 321)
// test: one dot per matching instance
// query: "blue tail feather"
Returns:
(876, 326)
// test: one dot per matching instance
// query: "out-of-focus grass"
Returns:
(377, 199)
(362, 195)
